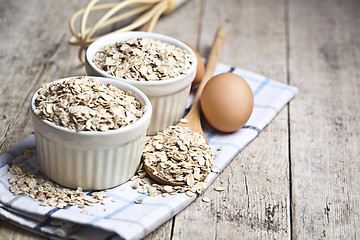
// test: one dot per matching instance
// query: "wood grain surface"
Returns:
(303, 182)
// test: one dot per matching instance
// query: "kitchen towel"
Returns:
(120, 216)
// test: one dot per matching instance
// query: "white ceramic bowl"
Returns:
(168, 97)
(92, 160)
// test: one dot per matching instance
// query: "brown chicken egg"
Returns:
(200, 70)
(227, 102)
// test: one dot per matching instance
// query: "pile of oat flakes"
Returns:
(143, 59)
(86, 104)
(176, 154)
(47, 192)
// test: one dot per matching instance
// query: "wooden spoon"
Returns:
(194, 116)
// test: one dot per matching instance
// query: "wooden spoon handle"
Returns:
(210, 68)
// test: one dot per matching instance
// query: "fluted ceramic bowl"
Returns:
(92, 160)
(168, 96)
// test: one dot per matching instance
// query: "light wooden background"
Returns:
(300, 178)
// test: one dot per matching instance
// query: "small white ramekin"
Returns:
(168, 97)
(92, 160)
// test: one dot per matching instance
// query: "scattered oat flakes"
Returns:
(206, 199)
(135, 185)
(184, 120)
(220, 148)
(139, 201)
(215, 170)
(219, 189)
(17, 169)
(61, 205)
(134, 177)
(142, 190)
(48, 192)
(27, 153)
(12, 180)
(189, 193)
(168, 189)
(143, 59)
(85, 212)
(85, 104)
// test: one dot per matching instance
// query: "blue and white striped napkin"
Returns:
(123, 218)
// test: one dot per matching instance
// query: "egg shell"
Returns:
(227, 102)
(200, 70)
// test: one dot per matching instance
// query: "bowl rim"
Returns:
(111, 38)
(138, 94)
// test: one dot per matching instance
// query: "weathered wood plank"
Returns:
(324, 63)
(10, 232)
(183, 23)
(256, 203)
(34, 50)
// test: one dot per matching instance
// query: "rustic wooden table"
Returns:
(304, 180)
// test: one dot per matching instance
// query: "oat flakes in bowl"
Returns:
(143, 59)
(160, 66)
(88, 133)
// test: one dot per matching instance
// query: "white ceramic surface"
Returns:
(168, 96)
(90, 159)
